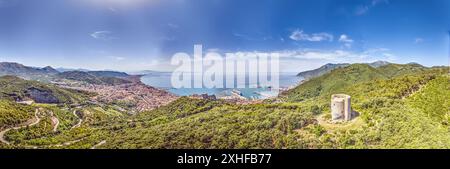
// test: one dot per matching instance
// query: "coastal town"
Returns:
(136, 95)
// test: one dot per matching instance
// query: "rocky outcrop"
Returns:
(41, 96)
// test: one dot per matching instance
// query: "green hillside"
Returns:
(338, 79)
(433, 100)
(332, 82)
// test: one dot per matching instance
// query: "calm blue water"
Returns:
(162, 80)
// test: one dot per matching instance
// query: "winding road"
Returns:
(66, 143)
(98, 144)
(55, 122)
(28, 123)
(79, 120)
(35, 121)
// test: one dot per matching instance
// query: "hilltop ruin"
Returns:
(341, 107)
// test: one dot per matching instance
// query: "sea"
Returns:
(162, 80)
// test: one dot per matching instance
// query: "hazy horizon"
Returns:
(169, 71)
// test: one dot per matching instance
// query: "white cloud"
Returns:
(216, 50)
(242, 36)
(117, 58)
(363, 9)
(418, 40)
(120, 58)
(328, 55)
(172, 25)
(167, 38)
(376, 2)
(305, 59)
(112, 9)
(297, 60)
(260, 37)
(299, 35)
(346, 40)
(376, 50)
(103, 35)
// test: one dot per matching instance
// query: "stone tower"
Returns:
(341, 107)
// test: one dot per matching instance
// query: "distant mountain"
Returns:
(146, 72)
(80, 76)
(95, 77)
(49, 74)
(61, 69)
(378, 63)
(109, 74)
(9, 68)
(26, 72)
(49, 69)
(321, 70)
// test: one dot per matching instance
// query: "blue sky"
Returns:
(144, 34)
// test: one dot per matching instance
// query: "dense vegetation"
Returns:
(195, 123)
(398, 106)
(12, 113)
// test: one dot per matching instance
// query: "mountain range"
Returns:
(47, 74)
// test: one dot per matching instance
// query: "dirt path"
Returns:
(80, 120)
(98, 144)
(66, 143)
(28, 123)
(354, 123)
(55, 122)
(35, 121)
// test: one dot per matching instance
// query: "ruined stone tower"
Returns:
(341, 107)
